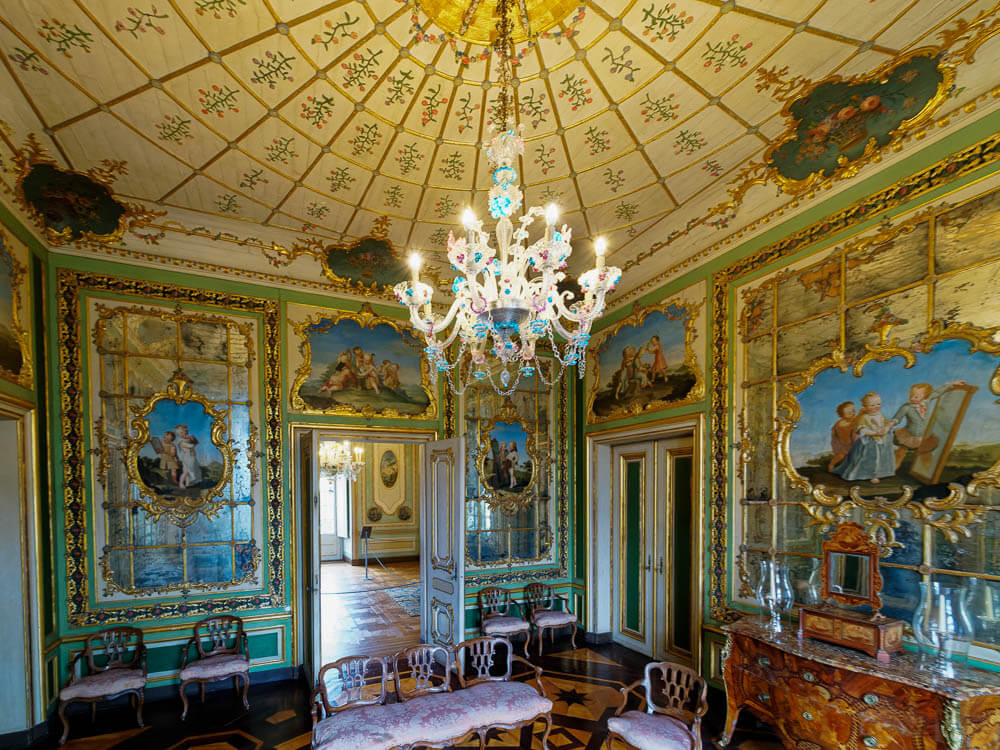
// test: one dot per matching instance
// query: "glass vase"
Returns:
(774, 591)
(943, 627)
(814, 586)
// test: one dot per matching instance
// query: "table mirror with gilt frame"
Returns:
(850, 571)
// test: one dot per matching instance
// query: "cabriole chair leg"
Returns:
(65, 723)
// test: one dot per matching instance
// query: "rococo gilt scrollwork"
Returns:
(15, 349)
(837, 126)
(132, 349)
(171, 477)
(507, 478)
(871, 450)
(70, 206)
(360, 364)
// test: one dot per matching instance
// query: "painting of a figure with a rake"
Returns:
(927, 425)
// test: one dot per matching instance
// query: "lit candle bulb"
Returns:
(551, 214)
(468, 219)
(599, 247)
(415, 269)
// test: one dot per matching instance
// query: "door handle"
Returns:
(649, 562)
(659, 568)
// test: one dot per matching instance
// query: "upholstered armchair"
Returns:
(541, 601)
(228, 656)
(116, 665)
(676, 701)
(349, 682)
(495, 616)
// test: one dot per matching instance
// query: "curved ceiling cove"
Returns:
(655, 123)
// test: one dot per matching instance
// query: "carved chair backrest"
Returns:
(350, 681)
(422, 669)
(223, 633)
(494, 600)
(539, 596)
(114, 648)
(683, 693)
(477, 656)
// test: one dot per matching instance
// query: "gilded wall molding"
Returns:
(181, 508)
(72, 288)
(102, 179)
(721, 390)
(18, 327)
(498, 497)
(687, 311)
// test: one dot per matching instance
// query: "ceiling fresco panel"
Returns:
(355, 111)
(57, 97)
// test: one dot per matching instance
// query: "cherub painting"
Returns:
(360, 366)
(932, 423)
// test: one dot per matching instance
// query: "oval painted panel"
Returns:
(388, 468)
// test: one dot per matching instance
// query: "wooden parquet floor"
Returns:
(359, 617)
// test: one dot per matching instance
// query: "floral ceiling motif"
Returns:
(326, 123)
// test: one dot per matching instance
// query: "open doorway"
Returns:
(370, 552)
(358, 603)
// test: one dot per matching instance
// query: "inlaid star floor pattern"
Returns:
(584, 685)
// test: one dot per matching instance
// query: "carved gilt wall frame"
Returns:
(953, 513)
(497, 495)
(325, 321)
(958, 46)
(17, 273)
(674, 311)
(723, 548)
(181, 505)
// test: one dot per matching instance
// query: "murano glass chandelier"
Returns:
(507, 299)
(337, 459)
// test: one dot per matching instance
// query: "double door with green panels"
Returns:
(654, 548)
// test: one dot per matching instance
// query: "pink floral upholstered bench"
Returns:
(353, 712)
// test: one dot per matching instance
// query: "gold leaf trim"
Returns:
(133, 217)
(499, 499)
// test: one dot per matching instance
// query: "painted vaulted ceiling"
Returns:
(280, 128)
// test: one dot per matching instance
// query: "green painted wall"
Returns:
(924, 159)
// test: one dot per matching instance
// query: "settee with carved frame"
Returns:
(353, 707)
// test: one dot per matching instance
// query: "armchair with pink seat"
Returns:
(116, 666)
(541, 600)
(496, 617)
(676, 700)
(228, 656)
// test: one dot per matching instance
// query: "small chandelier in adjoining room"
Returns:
(336, 459)
(499, 309)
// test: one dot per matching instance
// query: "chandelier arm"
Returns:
(434, 325)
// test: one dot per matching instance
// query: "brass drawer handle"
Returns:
(763, 697)
(809, 677)
(869, 741)
(871, 699)
(807, 716)
(763, 661)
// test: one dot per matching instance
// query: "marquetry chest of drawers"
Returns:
(818, 696)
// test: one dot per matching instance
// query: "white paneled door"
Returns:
(442, 549)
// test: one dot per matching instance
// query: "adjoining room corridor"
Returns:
(378, 616)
